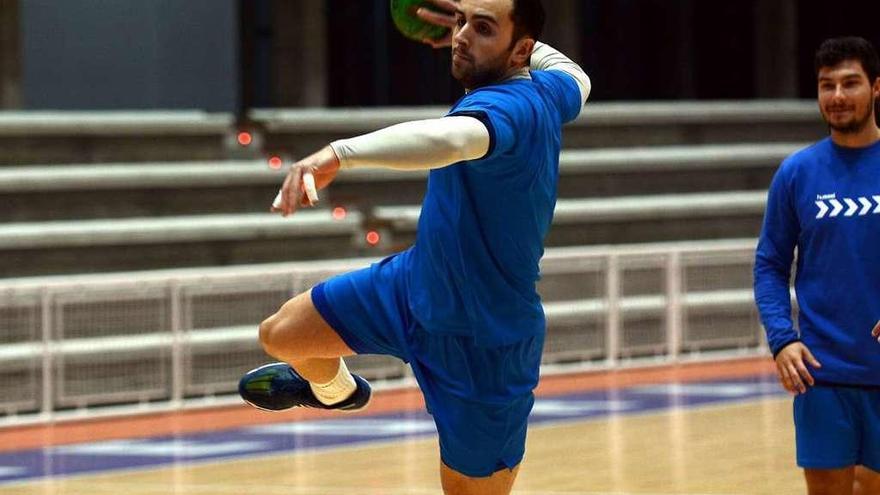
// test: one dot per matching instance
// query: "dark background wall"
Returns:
(133, 54)
(228, 54)
(820, 20)
(10, 61)
(632, 49)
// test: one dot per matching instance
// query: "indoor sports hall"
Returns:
(142, 142)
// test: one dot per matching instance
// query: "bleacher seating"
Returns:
(118, 190)
(93, 191)
(621, 220)
(76, 137)
(601, 125)
(77, 246)
(658, 299)
(95, 137)
(649, 255)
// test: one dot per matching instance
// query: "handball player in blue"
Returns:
(461, 304)
(825, 202)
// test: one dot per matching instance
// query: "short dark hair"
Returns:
(528, 19)
(836, 50)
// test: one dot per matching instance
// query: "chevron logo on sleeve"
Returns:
(850, 207)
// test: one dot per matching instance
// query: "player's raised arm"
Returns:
(441, 15)
(545, 57)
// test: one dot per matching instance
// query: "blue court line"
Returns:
(112, 455)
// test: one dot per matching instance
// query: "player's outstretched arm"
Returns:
(416, 145)
(791, 367)
(304, 179)
(876, 331)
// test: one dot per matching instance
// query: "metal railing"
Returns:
(83, 345)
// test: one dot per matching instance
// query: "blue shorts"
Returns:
(479, 397)
(836, 427)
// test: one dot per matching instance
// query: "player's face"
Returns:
(846, 97)
(481, 41)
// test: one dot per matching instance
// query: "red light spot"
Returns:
(245, 138)
(372, 238)
(339, 213)
(275, 162)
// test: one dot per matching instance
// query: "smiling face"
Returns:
(483, 49)
(846, 97)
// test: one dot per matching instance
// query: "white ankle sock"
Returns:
(336, 390)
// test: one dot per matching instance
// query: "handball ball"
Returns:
(403, 12)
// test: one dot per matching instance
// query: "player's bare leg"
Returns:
(830, 481)
(455, 483)
(867, 481)
(312, 373)
(297, 334)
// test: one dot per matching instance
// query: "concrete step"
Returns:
(138, 136)
(619, 220)
(104, 136)
(185, 188)
(40, 248)
(83, 246)
(601, 125)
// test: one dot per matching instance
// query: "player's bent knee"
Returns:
(280, 333)
(276, 337)
(298, 331)
(267, 334)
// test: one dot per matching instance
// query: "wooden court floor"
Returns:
(734, 447)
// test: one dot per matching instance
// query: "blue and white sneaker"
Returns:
(276, 386)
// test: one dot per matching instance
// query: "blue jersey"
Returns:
(474, 265)
(825, 200)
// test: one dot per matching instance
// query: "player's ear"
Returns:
(522, 51)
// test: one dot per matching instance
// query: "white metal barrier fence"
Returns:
(79, 346)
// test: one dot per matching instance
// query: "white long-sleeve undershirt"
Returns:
(545, 57)
(437, 143)
(416, 145)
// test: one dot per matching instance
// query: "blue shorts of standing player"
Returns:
(838, 426)
(479, 397)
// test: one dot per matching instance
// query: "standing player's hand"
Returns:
(442, 15)
(305, 178)
(876, 331)
(791, 369)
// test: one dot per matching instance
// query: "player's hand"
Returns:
(876, 331)
(442, 15)
(318, 170)
(790, 367)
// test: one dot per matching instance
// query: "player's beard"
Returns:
(473, 75)
(861, 118)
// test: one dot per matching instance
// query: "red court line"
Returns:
(183, 422)
(689, 372)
